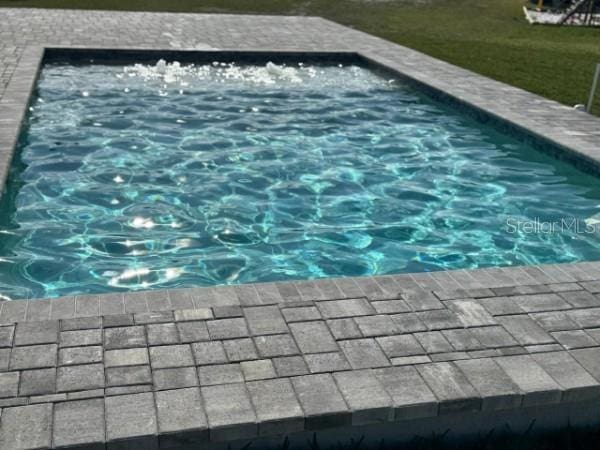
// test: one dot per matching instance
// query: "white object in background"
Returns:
(593, 90)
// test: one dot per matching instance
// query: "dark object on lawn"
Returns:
(582, 10)
(553, 4)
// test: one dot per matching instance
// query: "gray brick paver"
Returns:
(181, 417)
(321, 401)
(451, 387)
(276, 406)
(131, 416)
(313, 337)
(534, 382)
(79, 423)
(26, 427)
(231, 419)
(411, 397)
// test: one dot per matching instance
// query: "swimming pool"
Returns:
(170, 175)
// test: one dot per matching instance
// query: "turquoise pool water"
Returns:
(138, 177)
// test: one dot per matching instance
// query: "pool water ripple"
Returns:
(137, 177)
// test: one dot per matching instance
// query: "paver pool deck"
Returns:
(161, 369)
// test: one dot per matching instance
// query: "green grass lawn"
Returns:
(490, 37)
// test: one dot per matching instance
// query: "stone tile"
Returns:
(260, 369)
(440, 319)
(586, 318)
(80, 378)
(193, 331)
(408, 323)
(497, 390)
(145, 318)
(211, 352)
(180, 377)
(411, 397)
(410, 360)
(9, 384)
(493, 337)
(434, 342)
(326, 362)
(573, 339)
(83, 395)
(6, 336)
(380, 325)
(525, 330)
(227, 328)
(4, 359)
(290, 366)
(391, 306)
(181, 418)
(131, 417)
(277, 408)
(126, 357)
(276, 345)
(421, 300)
(541, 303)
(47, 398)
(363, 353)
(162, 334)
(451, 387)
(345, 308)
(544, 348)
(32, 333)
(313, 337)
(240, 349)
(228, 311)
(564, 287)
(79, 423)
(449, 356)
(265, 320)
(81, 323)
(554, 321)
(124, 337)
(37, 382)
(128, 376)
(321, 401)
(401, 345)
(301, 314)
(171, 356)
(191, 315)
(366, 397)
(231, 419)
(344, 328)
(589, 358)
(577, 384)
(117, 320)
(453, 294)
(462, 340)
(127, 390)
(26, 427)
(581, 299)
(220, 374)
(77, 338)
(79, 355)
(33, 357)
(591, 286)
(471, 313)
(537, 386)
(498, 306)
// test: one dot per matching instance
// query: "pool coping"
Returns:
(537, 326)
